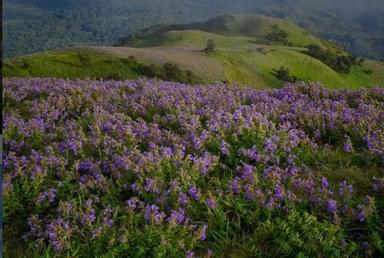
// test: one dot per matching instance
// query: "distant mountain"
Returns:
(38, 25)
(249, 50)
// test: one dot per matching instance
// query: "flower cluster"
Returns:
(134, 165)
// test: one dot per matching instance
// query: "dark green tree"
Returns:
(277, 36)
(211, 46)
(283, 74)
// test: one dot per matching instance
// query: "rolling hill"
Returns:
(243, 55)
(232, 30)
(38, 25)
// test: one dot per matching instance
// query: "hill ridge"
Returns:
(265, 58)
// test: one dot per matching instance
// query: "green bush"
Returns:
(300, 235)
(277, 36)
(340, 63)
(211, 46)
(283, 74)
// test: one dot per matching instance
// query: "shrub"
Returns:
(131, 60)
(277, 36)
(211, 46)
(283, 74)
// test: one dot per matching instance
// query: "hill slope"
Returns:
(242, 55)
(254, 27)
(39, 25)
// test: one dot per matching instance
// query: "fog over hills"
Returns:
(37, 25)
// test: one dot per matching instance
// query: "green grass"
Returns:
(241, 29)
(243, 65)
(192, 38)
(239, 56)
(77, 63)
(255, 68)
(205, 67)
(88, 63)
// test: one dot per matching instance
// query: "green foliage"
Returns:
(277, 36)
(168, 72)
(340, 63)
(283, 74)
(245, 65)
(300, 235)
(211, 46)
(89, 64)
(31, 26)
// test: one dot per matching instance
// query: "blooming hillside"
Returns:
(160, 169)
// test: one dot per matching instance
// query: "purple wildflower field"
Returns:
(148, 168)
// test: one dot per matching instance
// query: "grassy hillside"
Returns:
(40, 25)
(253, 28)
(254, 67)
(242, 55)
(88, 63)
(75, 63)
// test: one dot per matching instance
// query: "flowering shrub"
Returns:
(159, 169)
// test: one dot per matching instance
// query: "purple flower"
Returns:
(49, 194)
(86, 166)
(177, 217)
(234, 185)
(247, 172)
(41, 197)
(331, 206)
(173, 185)
(190, 254)
(150, 186)
(133, 203)
(347, 146)
(107, 216)
(53, 232)
(204, 163)
(89, 217)
(377, 184)
(361, 216)
(324, 183)
(194, 193)
(249, 192)
(153, 214)
(224, 148)
(183, 199)
(291, 159)
(108, 221)
(278, 192)
(203, 232)
(57, 245)
(271, 203)
(161, 135)
(167, 152)
(345, 189)
(96, 232)
(270, 144)
(211, 203)
(135, 188)
(250, 153)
